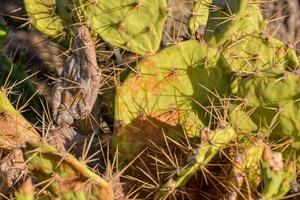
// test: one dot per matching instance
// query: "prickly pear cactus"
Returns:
(228, 19)
(135, 25)
(256, 51)
(200, 157)
(245, 170)
(277, 177)
(199, 15)
(62, 169)
(170, 91)
(49, 16)
(272, 109)
(14, 129)
(199, 115)
(14, 75)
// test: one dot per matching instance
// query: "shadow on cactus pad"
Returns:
(172, 91)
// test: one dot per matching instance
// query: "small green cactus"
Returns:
(262, 92)
(133, 25)
(245, 169)
(256, 51)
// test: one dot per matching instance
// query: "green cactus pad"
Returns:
(199, 15)
(276, 176)
(273, 96)
(135, 25)
(254, 52)
(68, 177)
(246, 168)
(51, 17)
(168, 90)
(241, 119)
(230, 18)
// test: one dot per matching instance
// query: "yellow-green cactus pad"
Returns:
(135, 25)
(254, 52)
(273, 96)
(51, 17)
(170, 90)
(199, 15)
(68, 178)
(229, 18)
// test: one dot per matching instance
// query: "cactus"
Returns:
(199, 115)
(245, 170)
(168, 91)
(200, 157)
(277, 178)
(13, 75)
(199, 15)
(57, 169)
(14, 129)
(133, 25)
(228, 19)
(272, 109)
(14, 132)
(255, 52)
(50, 17)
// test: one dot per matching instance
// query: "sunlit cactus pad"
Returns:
(135, 25)
(273, 96)
(199, 15)
(257, 51)
(49, 16)
(229, 18)
(171, 91)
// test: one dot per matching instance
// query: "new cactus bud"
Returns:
(276, 176)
